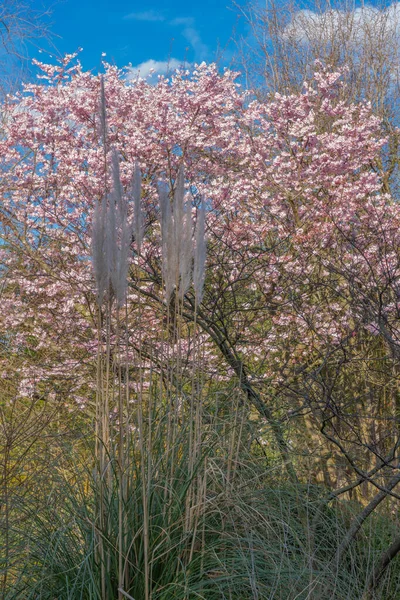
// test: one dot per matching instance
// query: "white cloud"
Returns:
(307, 26)
(186, 21)
(186, 24)
(191, 35)
(151, 16)
(151, 67)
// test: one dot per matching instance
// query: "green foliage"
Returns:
(247, 538)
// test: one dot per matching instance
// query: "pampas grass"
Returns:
(186, 250)
(183, 255)
(200, 254)
(112, 236)
(99, 251)
(138, 214)
(167, 246)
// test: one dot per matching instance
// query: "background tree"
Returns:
(284, 40)
(23, 23)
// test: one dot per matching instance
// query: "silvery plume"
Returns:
(172, 233)
(179, 204)
(167, 229)
(200, 253)
(120, 235)
(111, 238)
(177, 241)
(137, 210)
(186, 250)
(183, 234)
(99, 252)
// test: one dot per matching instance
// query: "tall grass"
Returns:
(249, 535)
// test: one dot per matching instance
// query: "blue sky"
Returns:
(129, 31)
(156, 34)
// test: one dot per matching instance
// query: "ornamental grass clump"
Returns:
(111, 244)
(124, 445)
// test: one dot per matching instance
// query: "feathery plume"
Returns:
(116, 177)
(179, 204)
(123, 263)
(200, 253)
(120, 234)
(99, 253)
(112, 233)
(186, 250)
(137, 211)
(177, 241)
(111, 241)
(167, 236)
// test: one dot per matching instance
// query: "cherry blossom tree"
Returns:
(302, 242)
